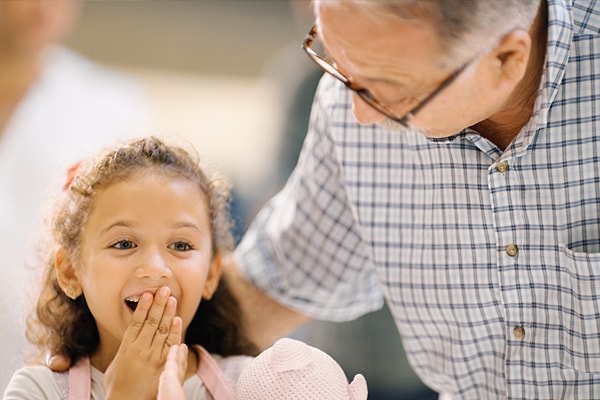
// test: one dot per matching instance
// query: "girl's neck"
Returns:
(102, 358)
(193, 362)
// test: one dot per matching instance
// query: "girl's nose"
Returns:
(153, 266)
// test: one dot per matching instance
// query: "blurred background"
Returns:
(229, 76)
(204, 64)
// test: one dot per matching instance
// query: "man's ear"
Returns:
(512, 55)
(213, 277)
(65, 275)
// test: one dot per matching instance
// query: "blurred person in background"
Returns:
(55, 107)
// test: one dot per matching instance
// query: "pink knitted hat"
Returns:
(293, 370)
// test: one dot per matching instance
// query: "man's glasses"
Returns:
(364, 94)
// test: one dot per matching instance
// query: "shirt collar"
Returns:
(560, 34)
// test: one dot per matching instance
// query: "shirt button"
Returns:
(502, 167)
(519, 332)
(512, 250)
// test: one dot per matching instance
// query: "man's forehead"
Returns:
(416, 12)
(352, 24)
(354, 40)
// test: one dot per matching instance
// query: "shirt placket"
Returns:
(513, 274)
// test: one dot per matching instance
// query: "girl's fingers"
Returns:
(155, 315)
(154, 325)
(164, 327)
(175, 333)
(139, 318)
(171, 379)
(177, 361)
(182, 359)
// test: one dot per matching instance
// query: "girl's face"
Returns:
(148, 231)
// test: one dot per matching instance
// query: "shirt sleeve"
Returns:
(304, 247)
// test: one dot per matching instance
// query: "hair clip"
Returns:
(71, 172)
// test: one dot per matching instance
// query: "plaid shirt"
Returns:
(489, 260)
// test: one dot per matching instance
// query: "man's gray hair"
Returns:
(464, 27)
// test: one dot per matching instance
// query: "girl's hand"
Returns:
(170, 385)
(134, 372)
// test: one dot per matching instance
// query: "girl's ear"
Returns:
(65, 275)
(213, 277)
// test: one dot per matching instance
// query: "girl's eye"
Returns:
(124, 245)
(181, 246)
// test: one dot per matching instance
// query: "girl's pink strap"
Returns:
(215, 382)
(212, 376)
(80, 380)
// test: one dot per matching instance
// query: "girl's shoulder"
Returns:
(35, 382)
(232, 366)
(39, 382)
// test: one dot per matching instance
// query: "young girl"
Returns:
(134, 267)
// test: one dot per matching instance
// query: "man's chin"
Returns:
(394, 126)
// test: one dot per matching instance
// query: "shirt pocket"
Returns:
(579, 307)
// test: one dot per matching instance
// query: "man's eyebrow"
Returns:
(369, 80)
(386, 81)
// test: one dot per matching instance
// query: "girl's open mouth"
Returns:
(132, 302)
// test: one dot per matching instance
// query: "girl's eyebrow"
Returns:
(118, 224)
(126, 224)
(188, 225)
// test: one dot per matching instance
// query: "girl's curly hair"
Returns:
(66, 326)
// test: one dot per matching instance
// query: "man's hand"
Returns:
(170, 386)
(136, 368)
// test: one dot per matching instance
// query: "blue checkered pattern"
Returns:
(492, 274)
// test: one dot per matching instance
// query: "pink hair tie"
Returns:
(71, 172)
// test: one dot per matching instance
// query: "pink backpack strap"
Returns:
(213, 378)
(80, 380)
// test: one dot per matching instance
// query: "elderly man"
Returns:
(451, 169)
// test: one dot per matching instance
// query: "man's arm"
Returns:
(265, 319)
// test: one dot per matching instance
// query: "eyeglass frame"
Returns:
(327, 66)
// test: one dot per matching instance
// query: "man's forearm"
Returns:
(265, 319)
